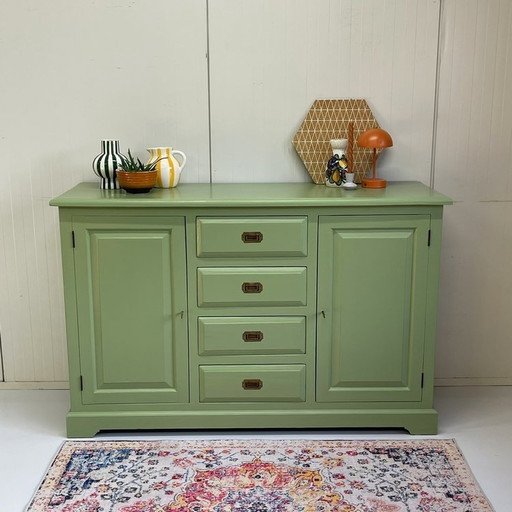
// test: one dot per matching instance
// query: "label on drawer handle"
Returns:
(252, 237)
(252, 287)
(252, 336)
(252, 383)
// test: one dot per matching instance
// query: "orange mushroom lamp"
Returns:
(375, 138)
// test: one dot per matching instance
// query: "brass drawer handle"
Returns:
(252, 383)
(252, 237)
(252, 287)
(252, 336)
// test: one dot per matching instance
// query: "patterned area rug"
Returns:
(259, 476)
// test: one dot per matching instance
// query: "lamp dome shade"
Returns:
(375, 138)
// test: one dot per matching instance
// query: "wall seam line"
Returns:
(208, 84)
(436, 96)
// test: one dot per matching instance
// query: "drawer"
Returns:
(251, 237)
(252, 383)
(252, 335)
(254, 286)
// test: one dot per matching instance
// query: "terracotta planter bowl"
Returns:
(136, 182)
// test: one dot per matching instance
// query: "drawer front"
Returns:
(252, 383)
(256, 286)
(251, 237)
(252, 335)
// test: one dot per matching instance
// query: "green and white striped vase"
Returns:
(106, 163)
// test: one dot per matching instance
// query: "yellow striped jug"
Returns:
(169, 168)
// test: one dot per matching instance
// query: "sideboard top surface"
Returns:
(187, 195)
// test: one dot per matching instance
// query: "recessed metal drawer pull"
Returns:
(252, 287)
(252, 336)
(252, 237)
(252, 383)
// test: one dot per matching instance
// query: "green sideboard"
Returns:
(251, 306)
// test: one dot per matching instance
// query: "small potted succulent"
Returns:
(136, 177)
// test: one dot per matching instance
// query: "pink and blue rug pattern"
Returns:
(259, 476)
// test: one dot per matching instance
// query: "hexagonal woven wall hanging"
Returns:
(329, 119)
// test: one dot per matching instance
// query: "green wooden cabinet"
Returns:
(236, 306)
(130, 276)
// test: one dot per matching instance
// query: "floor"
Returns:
(478, 418)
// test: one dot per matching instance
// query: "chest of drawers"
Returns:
(248, 306)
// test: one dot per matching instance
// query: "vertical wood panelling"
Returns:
(78, 73)
(473, 155)
(270, 60)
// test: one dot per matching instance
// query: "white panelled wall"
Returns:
(269, 60)
(74, 73)
(228, 82)
(473, 165)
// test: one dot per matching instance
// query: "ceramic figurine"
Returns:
(337, 164)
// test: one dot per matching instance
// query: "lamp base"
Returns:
(374, 183)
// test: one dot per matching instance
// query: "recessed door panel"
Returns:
(372, 293)
(132, 295)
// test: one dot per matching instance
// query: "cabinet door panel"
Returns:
(372, 291)
(131, 294)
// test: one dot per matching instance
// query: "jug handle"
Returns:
(184, 158)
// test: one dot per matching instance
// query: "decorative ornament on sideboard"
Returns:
(330, 119)
(375, 139)
(168, 167)
(136, 177)
(105, 164)
(350, 175)
(337, 164)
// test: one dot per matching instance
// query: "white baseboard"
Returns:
(34, 385)
(473, 381)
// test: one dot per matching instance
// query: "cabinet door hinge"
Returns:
(81, 383)
(429, 235)
(422, 380)
(73, 239)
